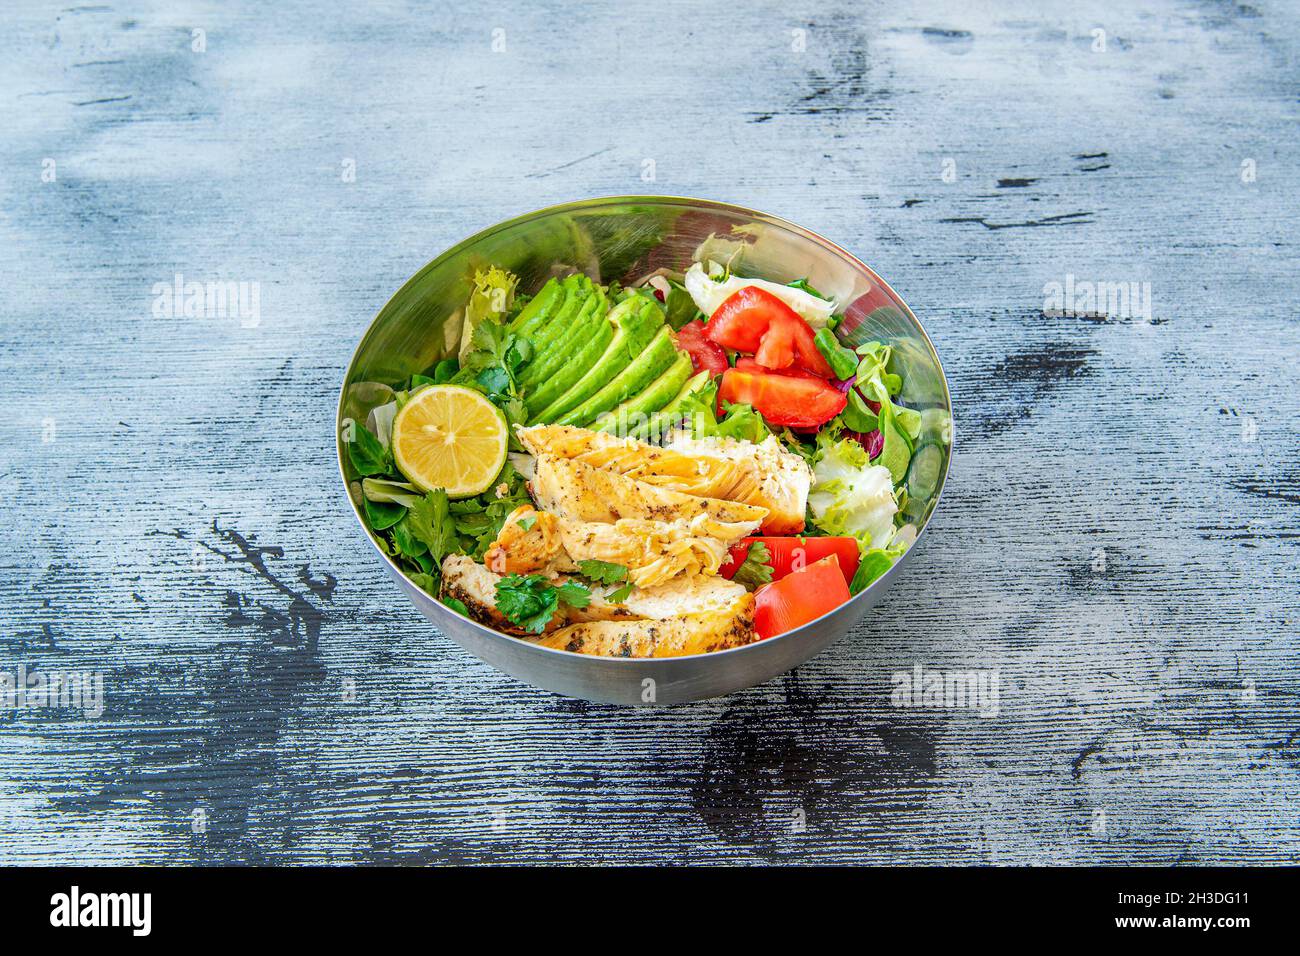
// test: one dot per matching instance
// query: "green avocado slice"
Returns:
(580, 291)
(547, 359)
(660, 421)
(649, 400)
(548, 391)
(644, 369)
(635, 320)
(539, 307)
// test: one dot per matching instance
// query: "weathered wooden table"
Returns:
(1118, 539)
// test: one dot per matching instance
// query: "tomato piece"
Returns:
(746, 363)
(706, 354)
(798, 401)
(788, 554)
(753, 320)
(799, 597)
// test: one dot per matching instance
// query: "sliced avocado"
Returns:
(571, 369)
(539, 307)
(579, 289)
(548, 358)
(649, 400)
(635, 321)
(660, 421)
(644, 369)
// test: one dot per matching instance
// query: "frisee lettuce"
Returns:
(493, 295)
(850, 496)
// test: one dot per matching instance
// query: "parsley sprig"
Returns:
(607, 572)
(531, 600)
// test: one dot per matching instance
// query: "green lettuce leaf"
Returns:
(850, 496)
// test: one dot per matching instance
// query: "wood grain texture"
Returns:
(1118, 537)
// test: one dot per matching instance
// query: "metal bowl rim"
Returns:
(584, 204)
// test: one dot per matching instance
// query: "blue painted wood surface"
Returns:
(1118, 539)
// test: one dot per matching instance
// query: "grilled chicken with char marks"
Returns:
(696, 599)
(652, 551)
(583, 492)
(762, 474)
(474, 586)
(669, 637)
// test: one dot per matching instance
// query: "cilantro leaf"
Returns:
(574, 594)
(602, 572)
(429, 522)
(528, 601)
(495, 379)
(754, 571)
(497, 358)
(621, 595)
(405, 542)
(531, 600)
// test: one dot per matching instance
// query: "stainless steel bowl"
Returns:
(622, 238)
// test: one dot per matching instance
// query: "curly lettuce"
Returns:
(494, 293)
(850, 496)
(741, 422)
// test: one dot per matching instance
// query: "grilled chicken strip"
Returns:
(652, 551)
(762, 474)
(670, 637)
(681, 597)
(583, 492)
(783, 479)
(474, 585)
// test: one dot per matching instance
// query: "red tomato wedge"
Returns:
(799, 401)
(747, 364)
(789, 554)
(705, 353)
(753, 320)
(799, 597)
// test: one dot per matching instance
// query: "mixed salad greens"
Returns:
(704, 354)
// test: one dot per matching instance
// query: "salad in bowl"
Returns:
(687, 464)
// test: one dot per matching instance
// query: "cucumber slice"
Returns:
(923, 474)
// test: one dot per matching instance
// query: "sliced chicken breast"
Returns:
(680, 597)
(780, 479)
(697, 598)
(652, 551)
(670, 637)
(763, 474)
(583, 492)
(474, 586)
